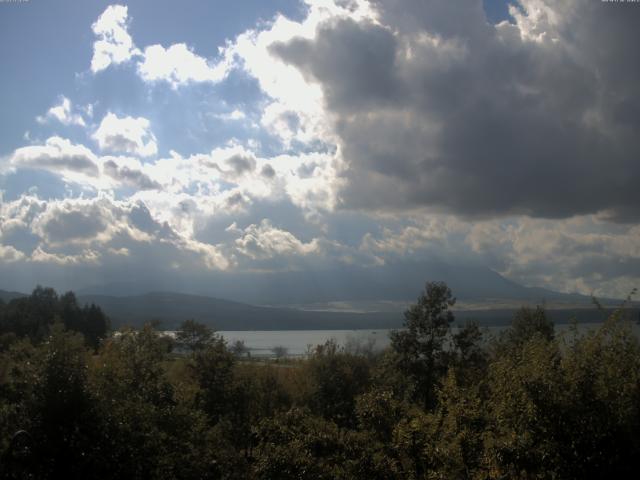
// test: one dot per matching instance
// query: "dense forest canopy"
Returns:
(442, 402)
(33, 316)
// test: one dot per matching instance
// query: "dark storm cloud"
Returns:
(73, 225)
(130, 176)
(351, 82)
(19, 235)
(241, 164)
(268, 171)
(436, 107)
(236, 199)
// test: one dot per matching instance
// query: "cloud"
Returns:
(62, 113)
(102, 232)
(234, 115)
(258, 179)
(178, 65)
(267, 171)
(78, 164)
(58, 155)
(433, 107)
(397, 132)
(16, 233)
(114, 44)
(128, 171)
(350, 81)
(264, 241)
(72, 225)
(10, 254)
(241, 164)
(127, 135)
(584, 254)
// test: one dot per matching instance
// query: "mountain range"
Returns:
(349, 299)
(396, 282)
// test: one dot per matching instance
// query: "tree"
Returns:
(194, 335)
(457, 448)
(335, 380)
(70, 312)
(90, 320)
(296, 445)
(212, 368)
(472, 357)
(379, 412)
(280, 351)
(239, 348)
(418, 349)
(65, 427)
(31, 316)
(95, 325)
(526, 324)
(144, 433)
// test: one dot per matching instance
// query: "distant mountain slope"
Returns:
(8, 296)
(482, 294)
(172, 308)
(400, 281)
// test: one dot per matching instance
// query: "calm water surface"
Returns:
(300, 342)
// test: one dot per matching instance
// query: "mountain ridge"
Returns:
(170, 309)
(399, 281)
(343, 298)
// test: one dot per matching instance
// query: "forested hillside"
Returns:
(440, 403)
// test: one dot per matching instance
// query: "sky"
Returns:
(193, 140)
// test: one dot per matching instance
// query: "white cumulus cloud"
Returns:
(130, 135)
(62, 113)
(179, 65)
(58, 155)
(114, 44)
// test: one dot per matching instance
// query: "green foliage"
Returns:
(570, 408)
(266, 392)
(63, 409)
(412, 439)
(94, 325)
(525, 388)
(602, 392)
(146, 432)
(33, 316)
(469, 344)
(212, 368)
(19, 371)
(526, 324)
(439, 404)
(419, 352)
(194, 336)
(239, 349)
(459, 427)
(297, 445)
(378, 412)
(279, 351)
(335, 380)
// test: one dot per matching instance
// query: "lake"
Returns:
(299, 342)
